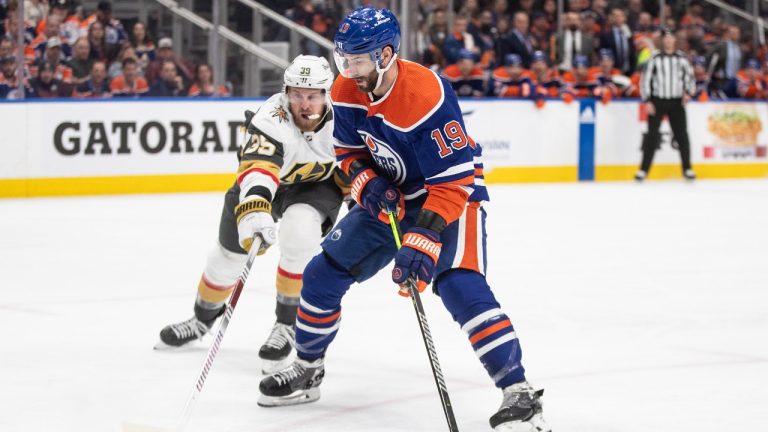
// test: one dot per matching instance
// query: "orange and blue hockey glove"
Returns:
(377, 195)
(418, 257)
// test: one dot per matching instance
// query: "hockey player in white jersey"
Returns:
(287, 173)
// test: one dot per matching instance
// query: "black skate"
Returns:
(297, 384)
(276, 352)
(520, 411)
(180, 334)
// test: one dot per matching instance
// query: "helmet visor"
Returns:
(354, 65)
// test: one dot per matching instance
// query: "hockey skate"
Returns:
(297, 384)
(181, 334)
(520, 411)
(276, 352)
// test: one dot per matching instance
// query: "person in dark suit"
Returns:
(520, 41)
(618, 39)
(570, 42)
(724, 62)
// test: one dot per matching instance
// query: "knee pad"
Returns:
(299, 237)
(223, 267)
(465, 294)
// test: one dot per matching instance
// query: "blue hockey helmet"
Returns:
(367, 31)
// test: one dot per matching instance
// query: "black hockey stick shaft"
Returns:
(222, 328)
(426, 334)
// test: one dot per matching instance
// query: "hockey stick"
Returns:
(212, 351)
(426, 334)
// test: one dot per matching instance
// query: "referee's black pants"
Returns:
(675, 110)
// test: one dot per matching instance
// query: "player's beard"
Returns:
(306, 124)
(367, 84)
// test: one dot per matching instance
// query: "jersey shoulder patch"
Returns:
(416, 95)
(345, 93)
(273, 120)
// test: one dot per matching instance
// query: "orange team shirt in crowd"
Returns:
(194, 90)
(62, 72)
(583, 88)
(548, 85)
(506, 86)
(750, 88)
(119, 87)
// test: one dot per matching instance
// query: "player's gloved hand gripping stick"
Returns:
(426, 334)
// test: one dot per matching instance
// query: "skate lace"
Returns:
(289, 374)
(281, 334)
(188, 328)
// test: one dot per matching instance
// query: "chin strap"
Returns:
(381, 71)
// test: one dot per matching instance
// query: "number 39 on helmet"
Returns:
(309, 72)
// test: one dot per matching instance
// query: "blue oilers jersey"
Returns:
(414, 135)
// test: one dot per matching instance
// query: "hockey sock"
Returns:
(286, 309)
(210, 298)
(470, 301)
(319, 314)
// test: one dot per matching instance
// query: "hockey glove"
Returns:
(254, 216)
(418, 257)
(377, 195)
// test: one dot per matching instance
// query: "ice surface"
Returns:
(639, 308)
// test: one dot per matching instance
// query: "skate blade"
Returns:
(162, 346)
(535, 424)
(268, 367)
(295, 398)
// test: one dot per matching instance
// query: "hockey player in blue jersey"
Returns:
(401, 137)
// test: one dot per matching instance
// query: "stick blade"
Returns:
(137, 427)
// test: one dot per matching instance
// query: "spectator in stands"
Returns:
(100, 49)
(701, 77)
(129, 83)
(570, 42)
(486, 35)
(459, 39)
(184, 68)
(540, 32)
(634, 10)
(724, 62)
(114, 33)
(550, 12)
(600, 8)
(143, 45)
(203, 85)
(53, 55)
(520, 40)
(512, 80)
(96, 86)
(618, 39)
(7, 47)
(45, 85)
(35, 10)
(438, 31)
(35, 49)
(116, 67)
(9, 84)
(465, 77)
(751, 82)
(81, 61)
(170, 83)
(500, 8)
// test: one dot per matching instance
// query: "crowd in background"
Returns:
(70, 54)
(492, 48)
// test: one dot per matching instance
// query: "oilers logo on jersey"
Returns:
(385, 157)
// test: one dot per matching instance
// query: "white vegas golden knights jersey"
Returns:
(279, 153)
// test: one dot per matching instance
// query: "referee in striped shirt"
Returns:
(666, 86)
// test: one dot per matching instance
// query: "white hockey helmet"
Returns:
(310, 72)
